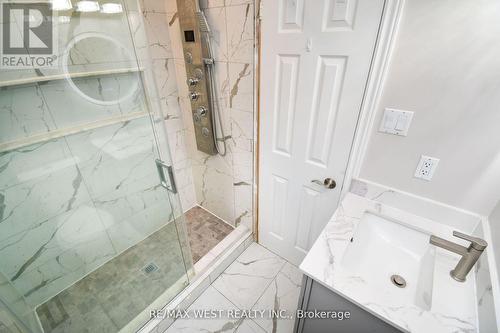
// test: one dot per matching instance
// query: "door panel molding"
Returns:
(327, 125)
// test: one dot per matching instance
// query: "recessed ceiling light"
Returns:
(111, 8)
(87, 6)
(61, 5)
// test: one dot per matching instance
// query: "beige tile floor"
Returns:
(205, 231)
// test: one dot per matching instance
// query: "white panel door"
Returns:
(315, 61)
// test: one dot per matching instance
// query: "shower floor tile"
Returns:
(110, 297)
(205, 231)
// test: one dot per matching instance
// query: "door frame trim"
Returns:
(256, 120)
(389, 27)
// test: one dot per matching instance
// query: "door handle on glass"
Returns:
(161, 167)
(328, 183)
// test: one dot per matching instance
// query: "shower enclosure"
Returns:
(107, 203)
(91, 230)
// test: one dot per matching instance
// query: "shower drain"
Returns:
(398, 281)
(150, 268)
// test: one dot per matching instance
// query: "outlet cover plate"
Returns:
(426, 167)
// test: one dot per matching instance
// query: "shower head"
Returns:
(202, 22)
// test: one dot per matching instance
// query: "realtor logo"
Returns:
(28, 35)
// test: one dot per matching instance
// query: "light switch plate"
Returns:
(396, 122)
(426, 167)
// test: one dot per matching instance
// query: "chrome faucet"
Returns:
(469, 255)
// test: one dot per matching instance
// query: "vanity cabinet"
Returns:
(315, 296)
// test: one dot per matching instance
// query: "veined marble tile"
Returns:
(121, 176)
(23, 113)
(214, 185)
(183, 173)
(119, 156)
(130, 231)
(32, 162)
(175, 35)
(240, 30)
(222, 81)
(243, 203)
(211, 299)
(241, 86)
(244, 281)
(27, 250)
(156, 27)
(115, 207)
(216, 17)
(115, 142)
(243, 165)
(177, 144)
(282, 294)
(70, 108)
(60, 272)
(96, 49)
(249, 326)
(164, 71)
(46, 195)
(187, 196)
(137, 27)
(16, 74)
(242, 129)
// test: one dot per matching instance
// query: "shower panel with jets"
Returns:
(200, 70)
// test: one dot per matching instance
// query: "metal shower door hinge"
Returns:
(161, 167)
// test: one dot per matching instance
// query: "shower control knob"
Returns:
(205, 131)
(193, 81)
(201, 111)
(194, 95)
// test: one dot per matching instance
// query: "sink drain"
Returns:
(398, 281)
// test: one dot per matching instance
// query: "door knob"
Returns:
(328, 183)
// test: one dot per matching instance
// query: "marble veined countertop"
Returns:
(453, 305)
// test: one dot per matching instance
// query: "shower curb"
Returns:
(203, 281)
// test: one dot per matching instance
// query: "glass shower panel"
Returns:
(89, 237)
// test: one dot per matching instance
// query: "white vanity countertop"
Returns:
(453, 307)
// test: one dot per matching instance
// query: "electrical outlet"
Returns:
(426, 167)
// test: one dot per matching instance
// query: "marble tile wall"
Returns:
(158, 18)
(224, 185)
(70, 204)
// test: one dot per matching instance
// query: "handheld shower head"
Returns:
(202, 22)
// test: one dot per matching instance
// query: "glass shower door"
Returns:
(91, 230)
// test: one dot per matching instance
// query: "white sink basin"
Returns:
(381, 248)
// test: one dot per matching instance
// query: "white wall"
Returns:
(446, 68)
